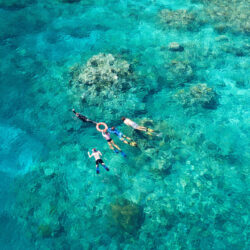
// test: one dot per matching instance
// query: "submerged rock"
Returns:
(221, 38)
(54, 229)
(127, 215)
(45, 231)
(14, 4)
(174, 46)
(198, 95)
(69, 1)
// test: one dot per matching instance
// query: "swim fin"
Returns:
(116, 151)
(106, 167)
(150, 130)
(97, 170)
(160, 134)
(133, 144)
(123, 154)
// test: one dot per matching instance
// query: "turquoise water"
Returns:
(188, 187)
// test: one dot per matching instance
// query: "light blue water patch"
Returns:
(19, 151)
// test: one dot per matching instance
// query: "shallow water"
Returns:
(186, 188)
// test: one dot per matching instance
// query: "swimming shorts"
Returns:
(99, 161)
(109, 140)
(134, 125)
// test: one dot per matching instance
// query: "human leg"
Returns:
(128, 141)
(97, 168)
(103, 164)
(115, 145)
(141, 128)
(110, 145)
(123, 140)
(120, 151)
(112, 148)
(128, 138)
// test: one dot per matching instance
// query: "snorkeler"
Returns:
(98, 160)
(111, 143)
(122, 137)
(82, 117)
(134, 125)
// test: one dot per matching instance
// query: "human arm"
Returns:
(114, 131)
(100, 153)
(105, 134)
(92, 121)
(90, 155)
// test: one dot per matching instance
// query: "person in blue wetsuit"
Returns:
(122, 137)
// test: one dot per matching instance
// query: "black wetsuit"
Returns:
(85, 119)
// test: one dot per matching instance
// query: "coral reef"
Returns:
(198, 95)
(104, 70)
(43, 220)
(106, 79)
(229, 15)
(237, 49)
(127, 215)
(179, 19)
(178, 72)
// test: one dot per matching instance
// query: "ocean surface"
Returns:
(181, 68)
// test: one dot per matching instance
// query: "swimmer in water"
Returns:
(135, 126)
(82, 117)
(116, 149)
(122, 137)
(98, 160)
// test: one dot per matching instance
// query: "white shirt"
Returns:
(106, 136)
(130, 123)
(96, 155)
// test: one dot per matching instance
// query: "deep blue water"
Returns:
(184, 187)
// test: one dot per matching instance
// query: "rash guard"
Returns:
(116, 132)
